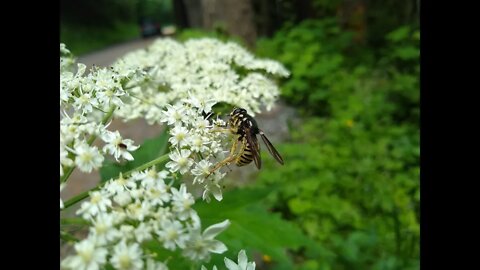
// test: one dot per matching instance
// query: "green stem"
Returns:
(73, 221)
(85, 194)
(92, 138)
(68, 237)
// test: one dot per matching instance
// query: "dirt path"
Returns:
(107, 56)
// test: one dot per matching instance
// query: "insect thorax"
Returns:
(240, 122)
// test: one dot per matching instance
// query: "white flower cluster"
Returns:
(85, 100)
(194, 145)
(206, 69)
(129, 211)
(171, 83)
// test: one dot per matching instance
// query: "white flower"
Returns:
(173, 115)
(180, 161)
(64, 159)
(201, 171)
(110, 96)
(85, 103)
(98, 204)
(200, 102)
(127, 232)
(123, 198)
(62, 185)
(158, 194)
(180, 136)
(63, 49)
(127, 256)
(117, 146)
(198, 143)
(88, 257)
(103, 230)
(138, 210)
(199, 245)
(182, 202)
(172, 234)
(142, 232)
(213, 187)
(88, 158)
(243, 263)
(119, 185)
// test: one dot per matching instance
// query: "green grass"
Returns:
(81, 40)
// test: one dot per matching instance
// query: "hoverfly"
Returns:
(246, 130)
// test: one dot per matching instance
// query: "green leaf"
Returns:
(399, 34)
(149, 150)
(252, 227)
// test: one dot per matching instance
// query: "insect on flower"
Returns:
(245, 129)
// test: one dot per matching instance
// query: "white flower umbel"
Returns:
(201, 72)
(171, 83)
(153, 211)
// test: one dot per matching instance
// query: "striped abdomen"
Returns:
(246, 156)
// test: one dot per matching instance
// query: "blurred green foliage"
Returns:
(90, 25)
(82, 39)
(348, 195)
(351, 174)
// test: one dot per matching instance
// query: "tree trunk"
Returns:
(352, 17)
(235, 16)
(180, 14)
(194, 10)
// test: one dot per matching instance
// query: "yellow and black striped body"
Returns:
(246, 157)
(241, 123)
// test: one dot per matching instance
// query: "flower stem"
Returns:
(92, 138)
(67, 237)
(73, 221)
(85, 194)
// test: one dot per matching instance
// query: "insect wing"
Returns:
(271, 149)
(253, 142)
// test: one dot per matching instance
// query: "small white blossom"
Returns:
(200, 246)
(172, 234)
(88, 257)
(180, 136)
(127, 256)
(62, 185)
(103, 230)
(87, 157)
(117, 146)
(182, 202)
(98, 204)
(143, 232)
(243, 263)
(180, 161)
(201, 171)
(173, 115)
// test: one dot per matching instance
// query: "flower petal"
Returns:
(217, 247)
(230, 264)
(242, 259)
(215, 229)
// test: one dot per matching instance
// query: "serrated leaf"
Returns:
(149, 150)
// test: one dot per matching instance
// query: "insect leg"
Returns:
(229, 159)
